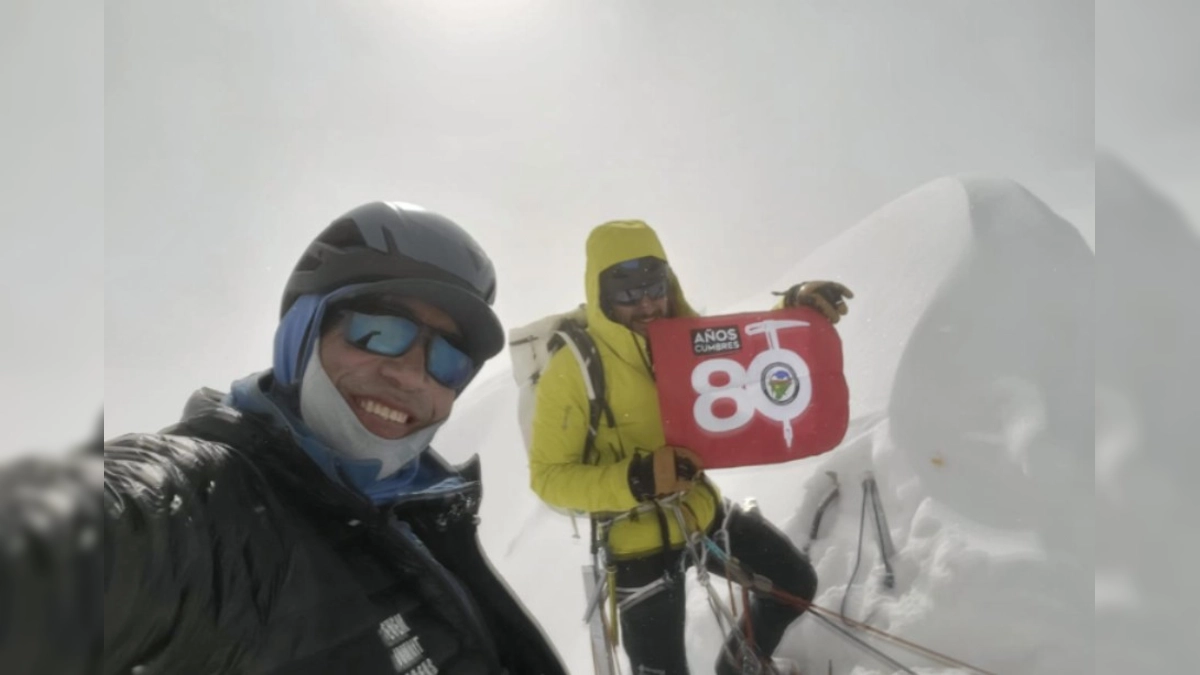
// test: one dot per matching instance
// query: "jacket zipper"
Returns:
(414, 544)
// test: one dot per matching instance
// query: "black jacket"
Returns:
(228, 551)
(50, 563)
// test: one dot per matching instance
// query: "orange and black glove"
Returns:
(827, 297)
(665, 471)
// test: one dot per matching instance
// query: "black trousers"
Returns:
(653, 627)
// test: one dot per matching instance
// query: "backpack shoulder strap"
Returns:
(583, 347)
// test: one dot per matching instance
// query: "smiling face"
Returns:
(636, 292)
(392, 396)
(638, 316)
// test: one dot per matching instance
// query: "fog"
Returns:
(234, 133)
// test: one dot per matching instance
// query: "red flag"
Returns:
(753, 388)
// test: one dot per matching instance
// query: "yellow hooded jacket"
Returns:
(558, 473)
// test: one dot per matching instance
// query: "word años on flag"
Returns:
(716, 340)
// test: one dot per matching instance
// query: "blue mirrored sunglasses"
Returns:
(388, 335)
(632, 296)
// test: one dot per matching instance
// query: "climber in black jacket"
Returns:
(301, 523)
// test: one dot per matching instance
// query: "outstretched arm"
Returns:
(142, 549)
(50, 564)
(191, 567)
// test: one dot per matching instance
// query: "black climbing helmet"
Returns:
(407, 250)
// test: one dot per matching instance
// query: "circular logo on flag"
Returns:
(780, 384)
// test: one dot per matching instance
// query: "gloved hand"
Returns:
(827, 297)
(665, 471)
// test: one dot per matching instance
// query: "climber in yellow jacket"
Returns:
(628, 467)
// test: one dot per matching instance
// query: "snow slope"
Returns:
(968, 351)
(1147, 367)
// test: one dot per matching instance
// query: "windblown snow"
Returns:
(969, 355)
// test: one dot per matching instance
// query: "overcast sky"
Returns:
(1148, 92)
(52, 211)
(746, 133)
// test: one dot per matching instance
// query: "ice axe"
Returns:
(830, 496)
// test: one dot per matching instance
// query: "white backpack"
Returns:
(531, 347)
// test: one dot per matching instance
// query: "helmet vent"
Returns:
(308, 263)
(390, 240)
(344, 234)
(315, 256)
(475, 258)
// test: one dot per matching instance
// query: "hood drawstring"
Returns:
(646, 354)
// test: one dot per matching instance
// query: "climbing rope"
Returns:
(698, 546)
(764, 586)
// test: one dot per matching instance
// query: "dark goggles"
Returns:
(390, 335)
(626, 283)
(632, 296)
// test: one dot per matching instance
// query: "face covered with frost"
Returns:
(396, 362)
(636, 292)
